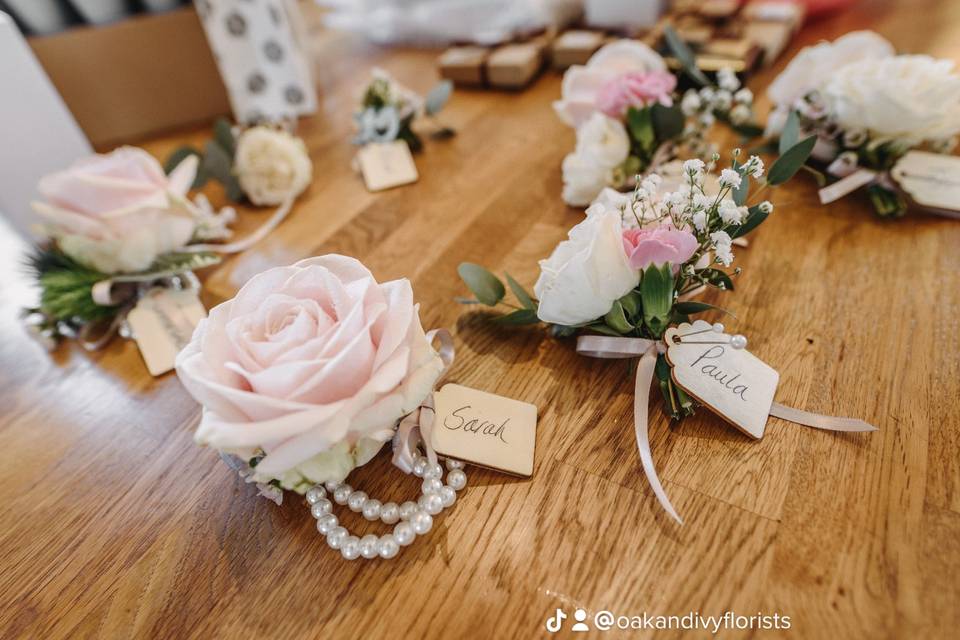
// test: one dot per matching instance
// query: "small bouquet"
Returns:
(305, 375)
(629, 120)
(868, 108)
(388, 110)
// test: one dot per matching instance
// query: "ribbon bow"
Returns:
(416, 427)
(610, 347)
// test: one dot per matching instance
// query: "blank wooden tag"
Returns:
(931, 179)
(162, 323)
(733, 383)
(385, 165)
(485, 429)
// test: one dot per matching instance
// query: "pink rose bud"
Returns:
(659, 245)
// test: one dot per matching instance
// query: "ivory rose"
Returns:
(581, 84)
(586, 273)
(117, 212)
(905, 99)
(602, 146)
(312, 365)
(658, 245)
(271, 165)
(636, 89)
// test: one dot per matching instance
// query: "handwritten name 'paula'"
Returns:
(725, 378)
(461, 420)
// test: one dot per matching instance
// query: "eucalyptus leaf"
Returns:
(790, 162)
(668, 122)
(520, 316)
(462, 300)
(748, 130)
(617, 320)
(755, 216)
(640, 123)
(525, 299)
(741, 193)
(485, 286)
(438, 97)
(179, 155)
(443, 133)
(791, 132)
(685, 56)
(223, 134)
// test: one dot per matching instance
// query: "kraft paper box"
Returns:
(131, 79)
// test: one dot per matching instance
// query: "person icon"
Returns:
(580, 616)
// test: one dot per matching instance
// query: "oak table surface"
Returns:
(116, 524)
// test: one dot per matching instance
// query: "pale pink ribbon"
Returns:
(647, 350)
(416, 427)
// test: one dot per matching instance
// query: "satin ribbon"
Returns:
(416, 427)
(647, 350)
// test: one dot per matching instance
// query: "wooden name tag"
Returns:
(733, 383)
(385, 165)
(931, 179)
(162, 324)
(485, 429)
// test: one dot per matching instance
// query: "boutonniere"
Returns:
(630, 120)
(388, 111)
(879, 118)
(311, 369)
(624, 280)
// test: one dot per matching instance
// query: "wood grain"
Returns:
(115, 524)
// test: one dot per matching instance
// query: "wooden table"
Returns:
(116, 524)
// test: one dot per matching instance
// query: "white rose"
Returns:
(583, 179)
(583, 277)
(271, 165)
(604, 140)
(810, 68)
(906, 99)
(581, 83)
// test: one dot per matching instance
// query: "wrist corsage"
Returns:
(879, 119)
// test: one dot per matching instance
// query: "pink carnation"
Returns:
(658, 245)
(636, 89)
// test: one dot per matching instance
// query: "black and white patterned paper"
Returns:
(263, 65)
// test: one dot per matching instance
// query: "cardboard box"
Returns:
(464, 65)
(131, 79)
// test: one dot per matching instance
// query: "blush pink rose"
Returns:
(658, 245)
(637, 89)
(312, 365)
(118, 211)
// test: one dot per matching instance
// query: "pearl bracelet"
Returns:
(410, 518)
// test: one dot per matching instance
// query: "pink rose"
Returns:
(582, 83)
(658, 245)
(636, 89)
(118, 211)
(311, 364)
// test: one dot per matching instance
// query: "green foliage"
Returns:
(790, 134)
(518, 317)
(668, 122)
(640, 125)
(887, 203)
(437, 97)
(617, 320)
(790, 162)
(717, 278)
(525, 298)
(656, 291)
(182, 153)
(66, 286)
(487, 287)
(685, 56)
(754, 218)
(223, 136)
(216, 160)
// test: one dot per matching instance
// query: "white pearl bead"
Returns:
(336, 537)
(326, 523)
(350, 548)
(342, 493)
(421, 522)
(388, 547)
(738, 341)
(433, 471)
(369, 547)
(718, 327)
(371, 509)
(431, 485)
(419, 466)
(448, 496)
(407, 509)
(331, 485)
(321, 508)
(404, 534)
(390, 513)
(453, 464)
(457, 479)
(356, 500)
(431, 503)
(314, 494)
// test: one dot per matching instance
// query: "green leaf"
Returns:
(748, 130)
(223, 135)
(754, 218)
(717, 278)
(790, 134)
(220, 167)
(181, 154)
(740, 193)
(632, 304)
(656, 290)
(616, 320)
(668, 122)
(562, 331)
(640, 123)
(486, 286)
(682, 52)
(692, 306)
(790, 162)
(520, 316)
(438, 97)
(525, 299)
(887, 203)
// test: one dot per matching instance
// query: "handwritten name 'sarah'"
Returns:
(713, 371)
(459, 419)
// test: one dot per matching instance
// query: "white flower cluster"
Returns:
(727, 100)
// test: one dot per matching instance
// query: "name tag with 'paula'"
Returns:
(733, 383)
(485, 429)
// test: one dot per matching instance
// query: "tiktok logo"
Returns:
(556, 621)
